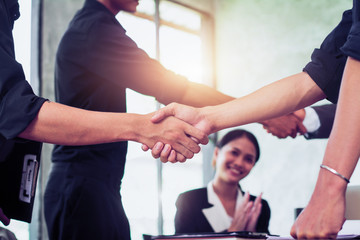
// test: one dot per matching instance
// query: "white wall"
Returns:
(258, 42)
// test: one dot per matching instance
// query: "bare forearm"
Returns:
(60, 124)
(200, 95)
(279, 98)
(342, 152)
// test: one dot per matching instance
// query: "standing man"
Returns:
(25, 115)
(95, 63)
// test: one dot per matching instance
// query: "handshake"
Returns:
(287, 125)
(183, 128)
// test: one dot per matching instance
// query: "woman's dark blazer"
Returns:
(189, 217)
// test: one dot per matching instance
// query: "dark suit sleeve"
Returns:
(264, 218)
(185, 222)
(328, 62)
(326, 115)
(18, 103)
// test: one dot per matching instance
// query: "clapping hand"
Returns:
(246, 214)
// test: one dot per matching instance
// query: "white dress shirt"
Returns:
(216, 215)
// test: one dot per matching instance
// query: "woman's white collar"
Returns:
(216, 215)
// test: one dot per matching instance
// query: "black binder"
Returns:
(215, 236)
(19, 165)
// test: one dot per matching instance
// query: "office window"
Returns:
(149, 187)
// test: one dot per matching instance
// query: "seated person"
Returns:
(222, 206)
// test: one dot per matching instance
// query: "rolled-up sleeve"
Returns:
(352, 46)
(328, 62)
(18, 103)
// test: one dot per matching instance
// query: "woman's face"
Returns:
(235, 160)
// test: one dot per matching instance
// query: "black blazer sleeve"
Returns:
(326, 115)
(189, 217)
(18, 103)
(264, 218)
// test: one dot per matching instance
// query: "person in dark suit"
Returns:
(95, 63)
(223, 205)
(312, 122)
(23, 115)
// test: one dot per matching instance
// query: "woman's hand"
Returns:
(254, 214)
(246, 215)
(242, 214)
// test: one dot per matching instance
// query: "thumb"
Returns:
(163, 113)
(301, 128)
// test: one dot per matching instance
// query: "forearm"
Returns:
(200, 95)
(60, 124)
(342, 152)
(274, 100)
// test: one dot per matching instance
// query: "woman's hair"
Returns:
(238, 133)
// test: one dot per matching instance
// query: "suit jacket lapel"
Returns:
(216, 215)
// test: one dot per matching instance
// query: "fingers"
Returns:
(144, 147)
(166, 153)
(180, 135)
(244, 202)
(196, 135)
(186, 146)
(156, 151)
(180, 157)
(247, 197)
(258, 199)
(301, 128)
(300, 114)
(5, 220)
(163, 113)
(293, 232)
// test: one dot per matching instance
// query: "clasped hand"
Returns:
(287, 125)
(190, 115)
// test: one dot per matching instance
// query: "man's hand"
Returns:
(288, 125)
(4, 219)
(324, 215)
(191, 115)
(188, 114)
(254, 214)
(173, 137)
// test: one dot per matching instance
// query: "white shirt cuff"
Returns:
(311, 120)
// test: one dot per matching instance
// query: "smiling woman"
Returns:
(223, 206)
